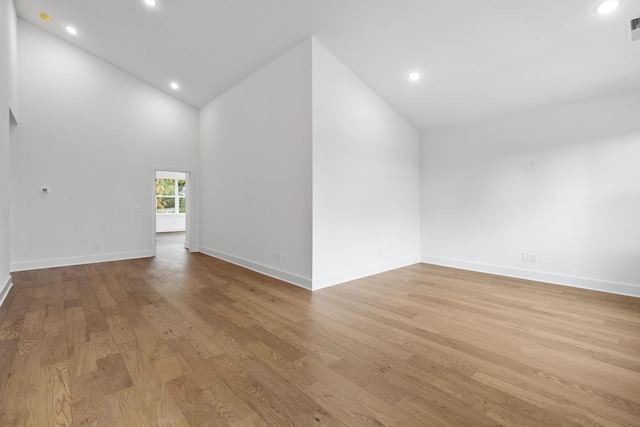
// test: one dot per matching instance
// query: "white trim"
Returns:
(539, 276)
(91, 259)
(294, 279)
(4, 291)
(171, 230)
(336, 279)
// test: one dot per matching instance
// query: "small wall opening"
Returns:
(171, 201)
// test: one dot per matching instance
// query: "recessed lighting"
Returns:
(174, 85)
(150, 3)
(608, 6)
(45, 17)
(414, 76)
(71, 30)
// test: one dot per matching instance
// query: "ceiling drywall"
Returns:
(478, 59)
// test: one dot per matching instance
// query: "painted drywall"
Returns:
(12, 40)
(8, 99)
(366, 178)
(170, 222)
(483, 204)
(90, 132)
(255, 170)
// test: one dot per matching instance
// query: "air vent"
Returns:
(634, 29)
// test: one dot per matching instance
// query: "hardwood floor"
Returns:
(187, 340)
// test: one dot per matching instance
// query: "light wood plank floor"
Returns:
(187, 340)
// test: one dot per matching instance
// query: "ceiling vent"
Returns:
(634, 29)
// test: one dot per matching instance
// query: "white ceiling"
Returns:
(479, 59)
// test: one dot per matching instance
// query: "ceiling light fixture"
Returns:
(151, 3)
(608, 6)
(414, 76)
(174, 85)
(72, 30)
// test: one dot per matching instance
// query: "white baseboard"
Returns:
(90, 259)
(4, 290)
(336, 279)
(539, 276)
(294, 279)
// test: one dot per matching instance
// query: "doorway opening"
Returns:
(171, 211)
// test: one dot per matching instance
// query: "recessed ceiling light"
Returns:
(150, 3)
(45, 17)
(174, 85)
(608, 6)
(71, 30)
(414, 76)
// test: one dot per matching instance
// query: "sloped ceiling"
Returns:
(478, 59)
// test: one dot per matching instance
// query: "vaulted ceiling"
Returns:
(478, 59)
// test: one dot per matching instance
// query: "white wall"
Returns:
(579, 209)
(91, 132)
(255, 170)
(366, 178)
(8, 99)
(169, 222)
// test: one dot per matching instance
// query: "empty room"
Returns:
(320, 213)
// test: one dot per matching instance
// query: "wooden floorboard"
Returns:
(187, 340)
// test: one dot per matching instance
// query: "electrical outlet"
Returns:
(534, 257)
(526, 256)
(96, 245)
(279, 256)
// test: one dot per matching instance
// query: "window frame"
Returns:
(176, 196)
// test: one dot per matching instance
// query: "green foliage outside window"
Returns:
(167, 191)
(165, 187)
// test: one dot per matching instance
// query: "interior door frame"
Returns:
(191, 219)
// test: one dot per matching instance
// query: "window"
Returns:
(171, 196)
